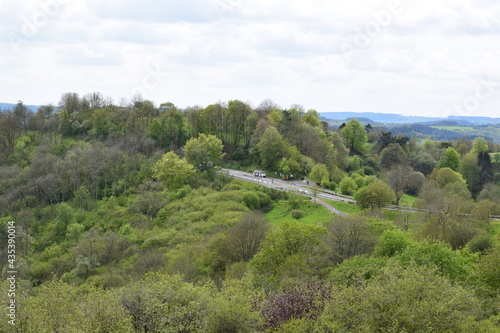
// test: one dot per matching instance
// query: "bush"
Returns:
(297, 213)
(251, 199)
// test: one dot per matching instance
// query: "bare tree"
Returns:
(245, 237)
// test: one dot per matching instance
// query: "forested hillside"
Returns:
(122, 221)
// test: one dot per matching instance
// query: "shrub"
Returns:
(297, 213)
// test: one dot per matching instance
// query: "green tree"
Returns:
(401, 179)
(377, 194)
(400, 300)
(450, 159)
(347, 186)
(246, 235)
(204, 152)
(354, 135)
(393, 155)
(470, 169)
(392, 242)
(151, 199)
(289, 242)
(318, 172)
(479, 145)
(172, 170)
(489, 268)
(272, 148)
(445, 176)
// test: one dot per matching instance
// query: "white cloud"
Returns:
(423, 58)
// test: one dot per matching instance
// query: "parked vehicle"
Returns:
(259, 173)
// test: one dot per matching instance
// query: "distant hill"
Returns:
(10, 106)
(392, 118)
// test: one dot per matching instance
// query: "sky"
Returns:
(427, 57)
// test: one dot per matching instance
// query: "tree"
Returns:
(318, 172)
(347, 186)
(272, 148)
(392, 242)
(401, 179)
(479, 145)
(489, 268)
(70, 102)
(486, 168)
(204, 152)
(151, 199)
(291, 241)
(392, 155)
(377, 194)
(450, 159)
(411, 299)
(423, 162)
(354, 135)
(23, 114)
(172, 170)
(347, 237)
(470, 171)
(445, 176)
(246, 235)
(444, 214)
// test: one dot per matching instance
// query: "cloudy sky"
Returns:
(426, 57)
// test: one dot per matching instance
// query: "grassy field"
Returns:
(492, 132)
(343, 207)
(408, 200)
(496, 230)
(461, 129)
(312, 213)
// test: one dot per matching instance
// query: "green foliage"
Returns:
(479, 145)
(204, 152)
(282, 243)
(347, 186)
(172, 170)
(354, 135)
(446, 176)
(392, 242)
(400, 300)
(251, 200)
(450, 159)
(297, 213)
(357, 270)
(377, 194)
(489, 268)
(454, 265)
(318, 172)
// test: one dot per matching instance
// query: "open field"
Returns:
(312, 213)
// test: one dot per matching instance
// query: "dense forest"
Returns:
(124, 222)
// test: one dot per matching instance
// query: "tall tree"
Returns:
(376, 194)
(272, 148)
(70, 102)
(479, 145)
(469, 168)
(393, 155)
(354, 135)
(204, 152)
(172, 170)
(402, 178)
(450, 159)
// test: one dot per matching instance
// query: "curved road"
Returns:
(297, 187)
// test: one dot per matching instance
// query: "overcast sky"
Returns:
(425, 57)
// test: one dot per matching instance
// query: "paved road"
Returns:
(297, 187)
(301, 188)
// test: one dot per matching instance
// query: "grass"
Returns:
(312, 213)
(496, 230)
(455, 128)
(343, 207)
(408, 200)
